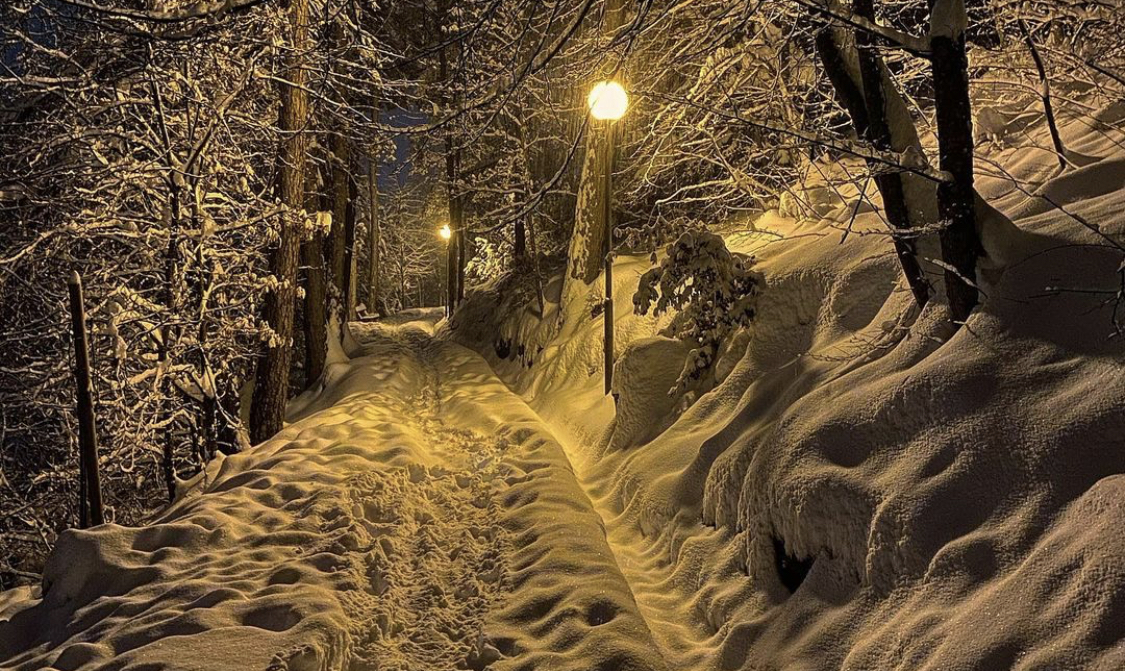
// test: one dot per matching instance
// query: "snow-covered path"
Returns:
(415, 514)
(575, 600)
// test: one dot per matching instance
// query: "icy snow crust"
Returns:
(961, 496)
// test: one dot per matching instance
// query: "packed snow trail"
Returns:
(415, 514)
(569, 605)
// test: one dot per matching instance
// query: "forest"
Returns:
(806, 316)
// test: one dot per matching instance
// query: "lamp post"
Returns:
(446, 233)
(608, 102)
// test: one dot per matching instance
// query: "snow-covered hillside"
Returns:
(862, 488)
(957, 499)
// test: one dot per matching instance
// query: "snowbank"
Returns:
(866, 489)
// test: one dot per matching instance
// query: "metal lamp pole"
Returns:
(607, 202)
(608, 102)
(446, 234)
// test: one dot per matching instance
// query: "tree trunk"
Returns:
(960, 243)
(90, 488)
(848, 94)
(519, 249)
(230, 407)
(529, 188)
(584, 255)
(349, 290)
(272, 391)
(462, 249)
(1045, 95)
(879, 135)
(316, 299)
(375, 303)
(338, 236)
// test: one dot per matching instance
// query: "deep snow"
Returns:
(960, 496)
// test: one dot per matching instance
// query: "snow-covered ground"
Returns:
(415, 514)
(957, 498)
(466, 497)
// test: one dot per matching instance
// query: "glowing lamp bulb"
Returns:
(445, 232)
(608, 101)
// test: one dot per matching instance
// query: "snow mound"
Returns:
(866, 488)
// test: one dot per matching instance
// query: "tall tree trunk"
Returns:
(879, 135)
(529, 188)
(960, 243)
(462, 248)
(338, 236)
(375, 303)
(316, 286)
(272, 391)
(316, 299)
(848, 93)
(349, 249)
(230, 411)
(519, 249)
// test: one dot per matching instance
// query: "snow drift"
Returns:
(865, 488)
(859, 487)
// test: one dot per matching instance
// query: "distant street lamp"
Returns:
(608, 102)
(446, 234)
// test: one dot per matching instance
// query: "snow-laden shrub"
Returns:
(712, 290)
(491, 258)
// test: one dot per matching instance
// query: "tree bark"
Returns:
(519, 248)
(375, 304)
(462, 248)
(230, 410)
(316, 298)
(349, 291)
(272, 391)
(90, 489)
(848, 94)
(338, 236)
(960, 243)
(879, 135)
(1045, 95)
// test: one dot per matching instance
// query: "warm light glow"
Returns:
(446, 232)
(608, 101)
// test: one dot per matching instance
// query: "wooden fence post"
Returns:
(91, 504)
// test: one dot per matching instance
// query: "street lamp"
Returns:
(608, 102)
(445, 232)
